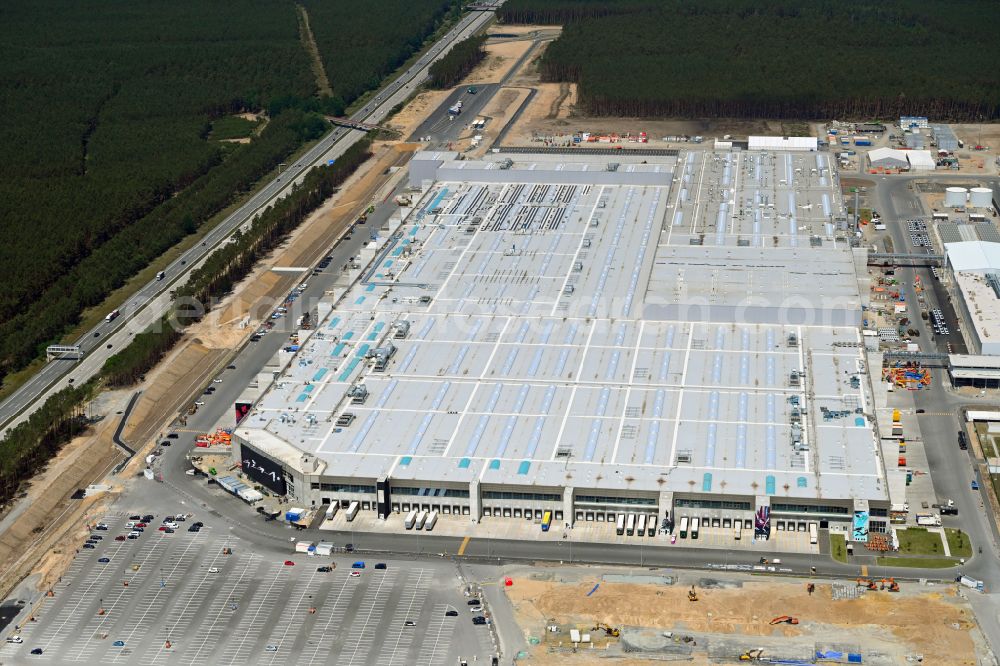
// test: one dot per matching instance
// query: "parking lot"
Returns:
(178, 598)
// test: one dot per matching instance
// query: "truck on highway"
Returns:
(454, 110)
(112, 316)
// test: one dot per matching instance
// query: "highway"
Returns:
(151, 301)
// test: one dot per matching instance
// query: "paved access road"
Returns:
(149, 303)
(187, 602)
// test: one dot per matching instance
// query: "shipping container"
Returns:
(694, 527)
(684, 527)
(738, 530)
(421, 518)
(630, 524)
(432, 519)
(546, 521)
(352, 510)
(640, 525)
(324, 548)
(651, 526)
(813, 533)
(620, 529)
(411, 518)
(331, 510)
(303, 546)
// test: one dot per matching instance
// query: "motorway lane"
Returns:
(14, 409)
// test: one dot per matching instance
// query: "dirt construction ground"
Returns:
(885, 627)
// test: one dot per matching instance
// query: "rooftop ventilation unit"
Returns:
(345, 419)
(358, 394)
(586, 242)
(506, 163)
(684, 458)
(794, 379)
(382, 356)
(793, 340)
(400, 329)
(613, 166)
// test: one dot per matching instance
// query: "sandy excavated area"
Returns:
(500, 57)
(889, 623)
(409, 118)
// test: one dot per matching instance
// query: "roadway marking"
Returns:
(465, 542)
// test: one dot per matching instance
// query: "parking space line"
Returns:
(159, 597)
(238, 652)
(465, 542)
(295, 614)
(371, 607)
(180, 617)
(431, 653)
(407, 608)
(332, 615)
(207, 632)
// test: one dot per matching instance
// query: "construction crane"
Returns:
(692, 595)
(610, 631)
(785, 619)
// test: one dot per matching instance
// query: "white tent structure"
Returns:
(920, 160)
(888, 158)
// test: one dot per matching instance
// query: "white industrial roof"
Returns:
(543, 351)
(782, 143)
(973, 256)
(920, 160)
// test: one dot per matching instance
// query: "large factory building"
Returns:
(676, 336)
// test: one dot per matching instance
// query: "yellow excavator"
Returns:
(610, 631)
(692, 595)
(752, 655)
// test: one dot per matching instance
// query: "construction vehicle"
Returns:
(692, 595)
(785, 619)
(867, 583)
(610, 631)
(752, 655)
(890, 584)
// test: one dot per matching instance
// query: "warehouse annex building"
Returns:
(564, 334)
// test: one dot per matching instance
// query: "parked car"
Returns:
(451, 613)
(474, 602)
(355, 574)
(479, 619)
(118, 644)
(133, 536)
(120, 537)
(289, 563)
(380, 565)
(975, 485)
(324, 569)
(89, 546)
(213, 570)
(15, 639)
(101, 526)
(104, 560)
(36, 651)
(476, 609)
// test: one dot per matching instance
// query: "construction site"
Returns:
(576, 617)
